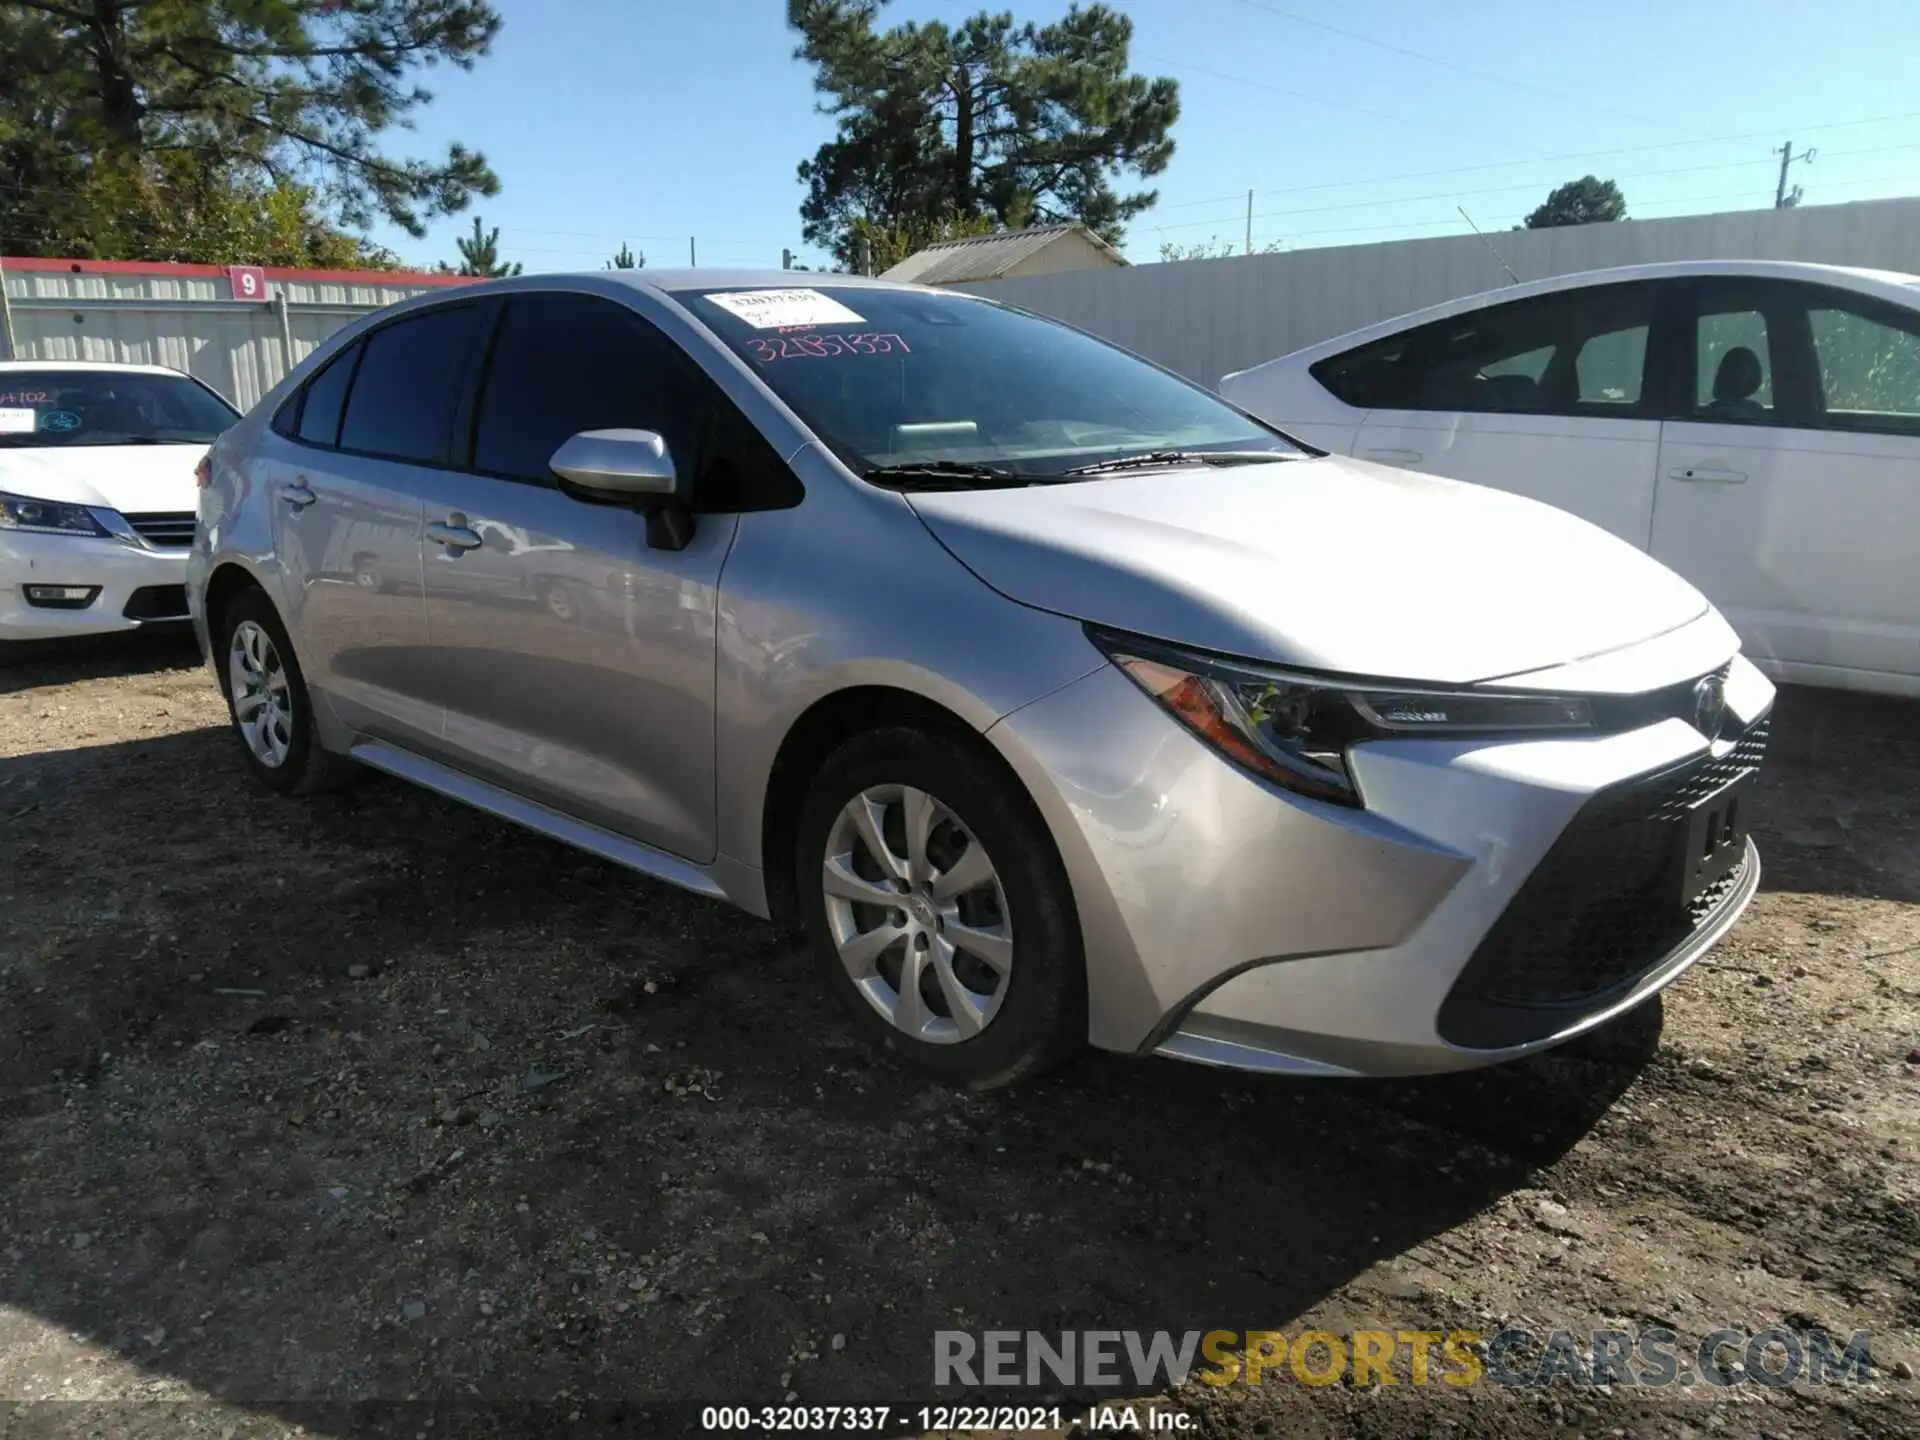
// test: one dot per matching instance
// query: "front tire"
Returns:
(269, 704)
(937, 906)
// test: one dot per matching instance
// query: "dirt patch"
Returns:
(369, 1097)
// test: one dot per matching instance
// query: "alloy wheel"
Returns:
(262, 701)
(918, 914)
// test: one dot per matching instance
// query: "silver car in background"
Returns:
(1056, 699)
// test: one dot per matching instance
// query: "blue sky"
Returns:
(611, 120)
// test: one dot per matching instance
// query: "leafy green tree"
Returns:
(1586, 201)
(981, 119)
(96, 94)
(480, 253)
(625, 259)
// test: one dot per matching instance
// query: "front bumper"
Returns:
(137, 586)
(1230, 923)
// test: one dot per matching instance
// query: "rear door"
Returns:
(347, 488)
(1790, 477)
(575, 663)
(1546, 397)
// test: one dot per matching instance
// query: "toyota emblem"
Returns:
(1710, 705)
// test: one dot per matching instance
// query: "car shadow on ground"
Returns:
(372, 1096)
(45, 664)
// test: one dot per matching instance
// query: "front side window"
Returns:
(899, 378)
(1869, 368)
(1733, 366)
(75, 409)
(562, 364)
(408, 385)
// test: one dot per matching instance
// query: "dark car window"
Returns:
(326, 397)
(566, 363)
(78, 409)
(409, 383)
(1580, 352)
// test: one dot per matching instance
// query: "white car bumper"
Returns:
(133, 586)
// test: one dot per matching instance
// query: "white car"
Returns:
(1753, 424)
(98, 494)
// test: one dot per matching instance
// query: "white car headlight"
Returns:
(47, 517)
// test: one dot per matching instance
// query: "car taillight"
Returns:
(203, 472)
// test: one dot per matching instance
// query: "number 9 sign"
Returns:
(248, 282)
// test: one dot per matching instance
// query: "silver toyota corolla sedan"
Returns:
(1058, 700)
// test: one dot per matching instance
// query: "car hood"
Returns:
(133, 479)
(1326, 564)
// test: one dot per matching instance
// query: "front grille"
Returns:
(164, 529)
(157, 602)
(1599, 911)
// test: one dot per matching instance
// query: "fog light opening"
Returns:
(61, 597)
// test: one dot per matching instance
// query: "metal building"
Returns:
(240, 329)
(1205, 318)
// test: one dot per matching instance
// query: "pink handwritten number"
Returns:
(767, 349)
(26, 397)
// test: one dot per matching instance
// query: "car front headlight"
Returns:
(1296, 730)
(46, 517)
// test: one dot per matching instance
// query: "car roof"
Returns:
(1892, 285)
(111, 366)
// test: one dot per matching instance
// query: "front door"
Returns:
(1790, 484)
(575, 663)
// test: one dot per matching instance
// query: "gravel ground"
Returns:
(371, 1098)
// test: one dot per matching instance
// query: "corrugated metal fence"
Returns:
(1205, 318)
(184, 316)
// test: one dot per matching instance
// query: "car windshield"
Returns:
(78, 408)
(897, 380)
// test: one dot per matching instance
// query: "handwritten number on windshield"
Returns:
(767, 349)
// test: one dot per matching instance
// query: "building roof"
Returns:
(987, 257)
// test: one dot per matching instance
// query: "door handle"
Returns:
(1707, 475)
(1392, 456)
(454, 533)
(297, 494)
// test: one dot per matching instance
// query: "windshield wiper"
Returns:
(1152, 458)
(945, 475)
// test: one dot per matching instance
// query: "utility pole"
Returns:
(866, 256)
(786, 259)
(693, 260)
(1249, 249)
(1784, 198)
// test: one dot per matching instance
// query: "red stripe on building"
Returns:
(172, 270)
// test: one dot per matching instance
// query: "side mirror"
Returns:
(632, 466)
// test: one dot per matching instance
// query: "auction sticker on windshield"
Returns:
(778, 309)
(16, 422)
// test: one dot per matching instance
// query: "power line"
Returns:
(1541, 160)
(1507, 80)
(1760, 197)
(1506, 189)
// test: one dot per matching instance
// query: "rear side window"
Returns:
(409, 384)
(566, 363)
(1579, 352)
(326, 397)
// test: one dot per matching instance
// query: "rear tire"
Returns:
(958, 949)
(268, 701)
